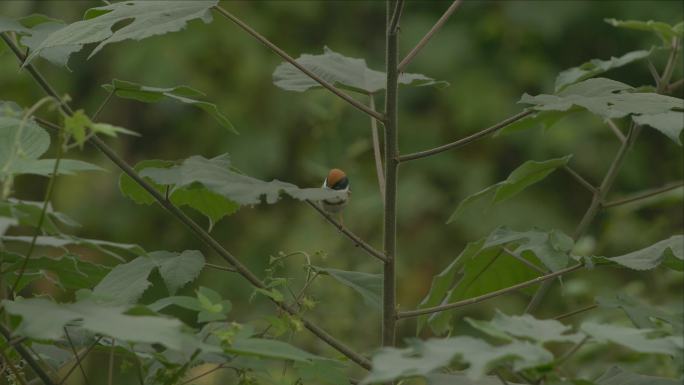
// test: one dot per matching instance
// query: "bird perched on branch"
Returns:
(337, 180)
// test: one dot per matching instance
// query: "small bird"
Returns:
(337, 180)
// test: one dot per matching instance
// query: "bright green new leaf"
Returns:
(183, 94)
(212, 306)
(525, 327)
(217, 176)
(150, 18)
(552, 248)
(425, 357)
(103, 319)
(596, 67)
(618, 376)
(665, 31)
(522, 177)
(177, 269)
(76, 125)
(643, 315)
(611, 99)
(635, 339)
(368, 285)
(269, 349)
(343, 72)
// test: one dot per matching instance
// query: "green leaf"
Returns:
(368, 285)
(217, 176)
(64, 240)
(183, 94)
(130, 189)
(326, 372)
(424, 357)
(40, 31)
(552, 248)
(461, 379)
(269, 349)
(611, 99)
(178, 269)
(9, 25)
(618, 376)
(76, 125)
(44, 167)
(596, 67)
(643, 315)
(665, 31)
(190, 303)
(635, 339)
(150, 18)
(110, 130)
(525, 327)
(343, 72)
(126, 282)
(97, 318)
(27, 213)
(522, 177)
(669, 252)
(212, 306)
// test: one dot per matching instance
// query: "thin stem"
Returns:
(467, 140)
(669, 67)
(484, 297)
(442, 20)
(360, 106)
(42, 374)
(103, 104)
(576, 311)
(208, 372)
(110, 364)
(616, 130)
(376, 150)
(524, 261)
(196, 229)
(654, 73)
(78, 359)
(396, 15)
(643, 195)
(353, 237)
(571, 352)
(580, 179)
(219, 267)
(391, 174)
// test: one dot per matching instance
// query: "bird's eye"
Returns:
(341, 184)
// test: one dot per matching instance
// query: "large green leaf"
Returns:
(269, 349)
(665, 31)
(424, 357)
(552, 248)
(525, 327)
(63, 240)
(596, 67)
(611, 99)
(636, 339)
(98, 318)
(177, 269)
(368, 285)
(27, 213)
(618, 376)
(183, 94)
(522, 177)
(56, 55)
(217, 176)
(642, 315)
(341, 71)
(150, 18)
(9, 25)
(668, 252)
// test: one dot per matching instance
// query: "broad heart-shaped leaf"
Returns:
(552, 248)
(665, 31)
(424, 357)
(178, 269)
(618, 376)
(343, 72)
(668, 252)
(611, 99)
(9, 25)
(635, 339)
(643, 315)
(210, 204)
(98, 318)
(525, 327)
(522, 177)
(150, 18)
(368, 285)
(183, 94)
(477, 270)
(596, 67)
(27, 213)
(217, 176)
(269, 349)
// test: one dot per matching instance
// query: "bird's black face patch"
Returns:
(341, 184)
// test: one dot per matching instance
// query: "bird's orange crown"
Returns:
(335, 175)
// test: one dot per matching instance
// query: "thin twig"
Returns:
(442, 20)
(467, 140)
(484, 297)
(110, 365)
(103, 104)
(525, 261)
(654, 73)
(42, 374)
(376, 150)
(571, 352)
(616, 130)
(576, 311)
(669, 67)
(78, 359)
(208, 372)
(580, 179)
(643, 195)
(360, 106)
(353, 237)
(393, 27)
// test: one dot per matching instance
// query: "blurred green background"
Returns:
(490, 52)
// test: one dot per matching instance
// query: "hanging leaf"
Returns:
(343, 72)
(636, 339)
(525, 327)
(177, 269)
(618, 376)
(665, 31)
(368, 285)
(668, 252)
(183, 94)
(150, 18)
(217, 176)
(552, 248)
(596, 67)
(41, 28)
(611, 99)
(642, 315)
(269, 349)
(522, 177)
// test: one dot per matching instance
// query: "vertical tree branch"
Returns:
(376, 150)
(391, 168)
